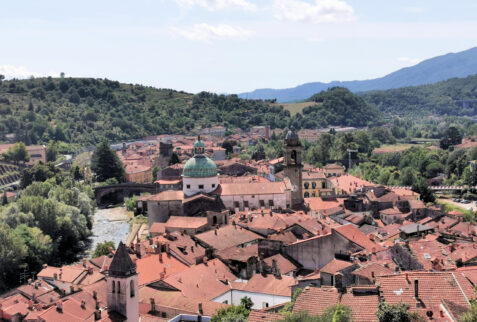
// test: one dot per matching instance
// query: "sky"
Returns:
(229, 46)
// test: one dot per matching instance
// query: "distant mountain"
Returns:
(430, 71)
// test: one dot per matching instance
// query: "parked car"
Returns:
(465, 201)
(456, 200)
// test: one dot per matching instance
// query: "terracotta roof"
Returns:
(71, 311)
(177, 301)
(185, 248)
(68, 274)
(363, 306)
(467, 278)
(152, 267)
(157, 228)
(259, 316)
(136, 168)
(370, 271)
(186, 222)
(227, 236)
(315, 300)
(320, 204)
(433, 288)
(241, 254)
(253, 188)
(358, 237)
(168, 195)
(168, 181)
(335, 266)
(270, 284)
(203, 281)
(283, 264)
(308, 175)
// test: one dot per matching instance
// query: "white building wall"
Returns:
(191, 185)
(258, 299)
(279, 201)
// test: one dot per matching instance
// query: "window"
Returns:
(163, 314)
(119, 287)
(201, 186)
(213, 185)
(131, 285)
(313, 194)
(323, 185)
(307, 185)
(236, 204)
(262, 203)
(306, 194)
(245, 203)
(114, 287)
(270, 203)
(313, 185)
(264, 305)
(214, 220)
(226, 302)
(188, 186)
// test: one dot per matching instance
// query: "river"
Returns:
(109, 225)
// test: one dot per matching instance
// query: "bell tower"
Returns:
(122, 285)
(293, 165)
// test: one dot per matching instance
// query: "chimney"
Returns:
(372, 275)
(97, 315)
(153, 305)
(84, 262)
(215, 232)
(416, 289)
(83, 304)
(274, 267)
(201, 311)
(59, 306)
(95, 295)
(160, 257)
(90, 270)
(338, 281)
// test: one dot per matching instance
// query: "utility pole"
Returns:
(349, 158)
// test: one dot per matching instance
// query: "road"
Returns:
(460, 205)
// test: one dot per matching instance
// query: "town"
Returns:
(275, 237)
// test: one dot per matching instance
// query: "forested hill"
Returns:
(84, 110)
(436, 99)
(461, 64)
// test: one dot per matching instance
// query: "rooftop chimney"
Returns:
(83, 304)
(201, 311)
(416, 288)
(153, 305)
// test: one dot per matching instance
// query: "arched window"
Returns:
(307, 195)
(214, 220)
(307, 185)
(131, 285)
(323, 184)
(114, 287)
(293, 157)
(313, 185)
(119, 287)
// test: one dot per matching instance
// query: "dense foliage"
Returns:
(337, 106)
(49, 223)
(436, 99)
(85, 110)
(334, 313)
(397, 313)
(103, 249)
(233, 313)
(106, 164)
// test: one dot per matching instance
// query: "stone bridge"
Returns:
(117, 192)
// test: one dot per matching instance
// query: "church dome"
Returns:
(199, 166)
(199, 143)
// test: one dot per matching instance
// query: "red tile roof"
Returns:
(315, 300)
(151, 268)
(363, 306)
(335, 266)
(186, 222)
(203, 281)
(259, 316)
(283, 264)
(433, 288)
(370, 271)
(254, 188)
(358, 237)
(270, 284)
(168, 195)
(227, 236)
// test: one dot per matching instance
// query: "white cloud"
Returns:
(10, 71)
(408, 61)
(318, 12)
(413, 10)
(219, 4)
(206, 32)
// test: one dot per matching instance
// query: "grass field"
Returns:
(296, 107)
(389, 148)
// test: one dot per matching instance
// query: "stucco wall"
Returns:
(258, 299)
(161, 211)
(317, 252)
(279, 201)
(191, 185)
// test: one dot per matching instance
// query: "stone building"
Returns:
(293, 165)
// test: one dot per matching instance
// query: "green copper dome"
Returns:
(199, 166)
(199, 144)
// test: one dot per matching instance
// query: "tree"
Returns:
(154, 172)
(451, 137)
(39, 172)
(301, 317)
(289, 306)
(130, 203)
(39, 246)
(233, 313)
(246, 302)
(228, 145)
(471, 314)
(172, 160)
(12, 253)
(77, 173)
(52, 151)
(337, 313)
(2, 77)
(106, 164)
(4, 198)
(421, 187)
(103, 248)
(396, 313)
(17, 153)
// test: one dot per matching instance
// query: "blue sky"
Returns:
(229, 45)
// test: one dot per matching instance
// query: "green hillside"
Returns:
(436, 99)
(84, 110)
